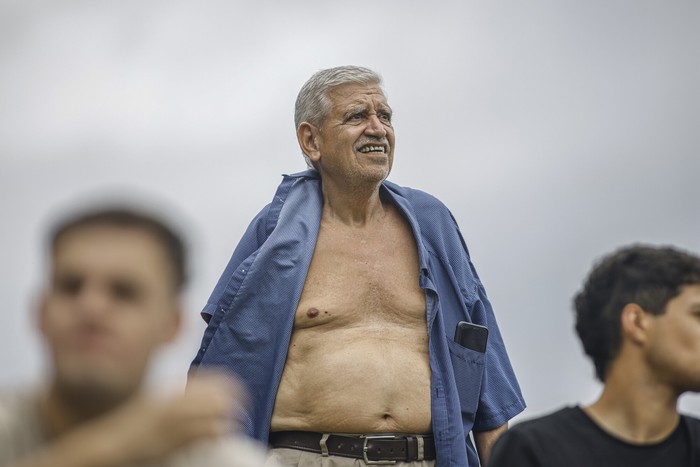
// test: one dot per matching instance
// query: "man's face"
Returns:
(356, 139)
(674, 352)
(111, 302)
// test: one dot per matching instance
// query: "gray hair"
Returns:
(312, 103)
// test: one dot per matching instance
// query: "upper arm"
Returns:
(486, 439)
(513, 449)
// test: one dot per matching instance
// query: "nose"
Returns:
(93, 302)
(375, 127)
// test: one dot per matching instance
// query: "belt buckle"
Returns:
(365, 448)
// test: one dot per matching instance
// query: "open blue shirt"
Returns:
(251, 312)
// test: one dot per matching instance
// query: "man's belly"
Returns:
(363, 379)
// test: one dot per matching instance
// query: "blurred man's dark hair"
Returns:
(128, 218)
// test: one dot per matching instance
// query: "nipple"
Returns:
(312, 313)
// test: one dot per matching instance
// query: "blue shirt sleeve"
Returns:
(463, 297)
(252, 239)
(500, 398)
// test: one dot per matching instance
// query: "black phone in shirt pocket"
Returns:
(472, 336)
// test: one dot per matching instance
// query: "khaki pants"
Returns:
(285, 457)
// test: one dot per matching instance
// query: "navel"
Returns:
(312, 313)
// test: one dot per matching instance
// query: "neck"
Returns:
(635, 408)
(61, 413)
(352, 205)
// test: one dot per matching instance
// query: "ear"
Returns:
(174, 324)
(40, 313)
(307, 135)
(635, 324)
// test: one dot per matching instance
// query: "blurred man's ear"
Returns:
(39, 312)
(174, 323)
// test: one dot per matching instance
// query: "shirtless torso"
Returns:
(358, 356)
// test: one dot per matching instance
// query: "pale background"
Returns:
(555, 131)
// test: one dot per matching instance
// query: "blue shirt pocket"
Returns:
(468, 366)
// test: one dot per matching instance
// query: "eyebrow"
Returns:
(356, 108)
(66, 273)
(362, 107)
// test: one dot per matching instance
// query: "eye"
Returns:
(355, 117)
(68, 286)
(385, 117)
(126, 291)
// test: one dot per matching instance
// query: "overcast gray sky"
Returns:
(555, 131)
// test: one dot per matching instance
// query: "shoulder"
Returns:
(552, 425)
(434, 218)
(417, 198)
(266, 220)
(20, 428)
(692, 422)
(529, 443)
(307, 177)
(17, 405)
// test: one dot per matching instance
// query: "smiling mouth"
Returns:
(373, 149)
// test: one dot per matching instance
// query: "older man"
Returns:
(340, 304)
(112, 300)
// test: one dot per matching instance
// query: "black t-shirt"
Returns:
(570, 438)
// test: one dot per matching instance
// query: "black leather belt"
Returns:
(373, 448)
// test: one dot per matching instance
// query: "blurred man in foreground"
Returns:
(113, 299)
(638, 317)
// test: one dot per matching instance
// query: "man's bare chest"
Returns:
(360, 275)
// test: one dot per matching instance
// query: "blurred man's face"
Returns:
(111, 302)
(674, 353)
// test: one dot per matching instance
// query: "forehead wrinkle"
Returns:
(353, 95)
(351, 88)
(364, 105)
